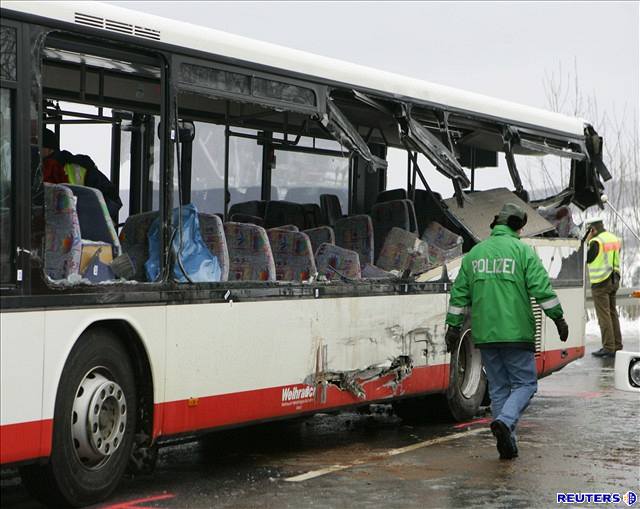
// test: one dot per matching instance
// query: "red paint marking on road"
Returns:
(481, 420)
(133, 504)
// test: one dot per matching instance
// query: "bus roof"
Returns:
(186, 35)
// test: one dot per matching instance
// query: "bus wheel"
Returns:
(467, 381)
(93, 427)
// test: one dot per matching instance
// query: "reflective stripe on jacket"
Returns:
(608, 258)
(497, 278)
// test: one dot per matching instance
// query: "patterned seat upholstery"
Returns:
(279, 213)
(344, 261)
(403, 251)
(133, 238)
(293, 255)
(287, 227)
(250, 256)
(387, 215)
(212, 233)
(372, 272)
(95, 222)
(356, 233)
(320, 235)
(331, 209)
(63, 243)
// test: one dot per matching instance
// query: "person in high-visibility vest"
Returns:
(603, 264)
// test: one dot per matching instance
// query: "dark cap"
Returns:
(49, 139)
(512, 216)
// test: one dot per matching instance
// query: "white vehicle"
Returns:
(101, 362)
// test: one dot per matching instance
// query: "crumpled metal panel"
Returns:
(480, 208)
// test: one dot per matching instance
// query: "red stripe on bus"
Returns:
(25, 440)
(209, 412)
(556, 359)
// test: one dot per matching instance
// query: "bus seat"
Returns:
(133, 238)
(374, 272)
(246, 218)
(428, 209)
(286, 227)
(403, 250)
(95, 222)
(254, 208)
(279, 213)
(413, 220)
(312, 215)
(391, 194)
(63, 243)
(293, 255)
(213, 236)
(250, 256)
(356, 233)
(344, 261)
(320, 235)
(331, 209)
(387, 215)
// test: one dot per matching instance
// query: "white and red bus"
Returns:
(273, 148)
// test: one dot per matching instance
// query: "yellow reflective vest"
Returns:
(608, 259)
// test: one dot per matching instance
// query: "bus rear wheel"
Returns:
(93, 427)
(464, 395)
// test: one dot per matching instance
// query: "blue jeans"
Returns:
(513, 381)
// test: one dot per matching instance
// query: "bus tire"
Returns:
(467, 380)
(93, 426)
(464, 395)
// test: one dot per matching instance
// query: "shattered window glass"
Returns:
(8, 69)
(217, 79)
(271, 89)
(6, 212)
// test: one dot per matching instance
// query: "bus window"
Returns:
(207, 168)
(245, 166)
(6, 198)
(302, 177)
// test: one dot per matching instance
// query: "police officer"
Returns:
(603, 262)
(497, 279)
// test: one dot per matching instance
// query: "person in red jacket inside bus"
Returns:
(63, 167)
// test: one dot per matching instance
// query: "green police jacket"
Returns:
(496, 281)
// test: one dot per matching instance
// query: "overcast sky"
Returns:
(503, 49)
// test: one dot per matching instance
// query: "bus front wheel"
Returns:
(93, 426)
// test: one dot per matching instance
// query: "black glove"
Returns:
(563, 328)
(451, 337)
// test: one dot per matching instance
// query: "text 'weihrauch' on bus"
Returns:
(200, 230)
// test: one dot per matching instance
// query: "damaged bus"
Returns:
(262, 265)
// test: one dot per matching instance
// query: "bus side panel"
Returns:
(24, 434)
(236, 362)
(556, 353)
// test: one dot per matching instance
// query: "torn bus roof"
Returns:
(480, 207)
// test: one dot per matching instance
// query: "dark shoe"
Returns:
(603, 353)
(504, 443)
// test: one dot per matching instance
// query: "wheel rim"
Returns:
(469, 366)
(98, 418)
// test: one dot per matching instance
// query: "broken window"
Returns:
(343, 130)
(8, 68)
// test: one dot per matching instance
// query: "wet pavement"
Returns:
(579, 435)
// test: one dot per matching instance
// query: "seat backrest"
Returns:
(320, 235)
(312, 215)
(428, 209)
(133, 238)
(95, 222)
(213, 236)
(391, 194)
(413, 220)
(287, 227)
(250, 256)
(403, 251)
(250, 208)
(279, 213)
(387, 215)
(330, 206)
(293, 255)
(246, 218)
(344, 261)
(356, 234)
(63, 243)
